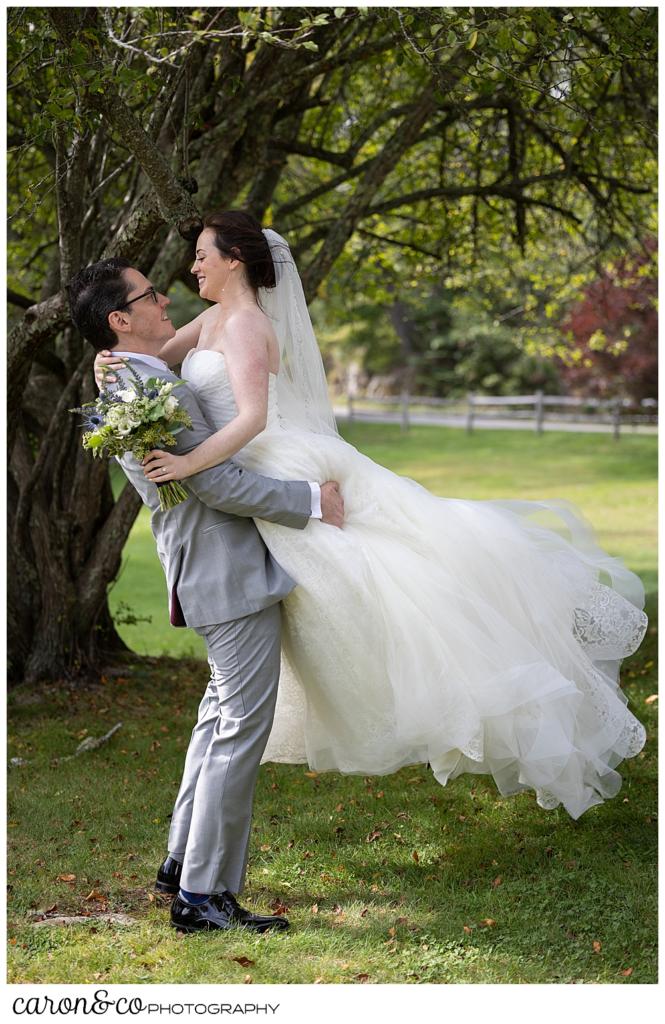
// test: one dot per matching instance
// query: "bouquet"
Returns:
(142, 416)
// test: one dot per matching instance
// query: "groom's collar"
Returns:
(158, 364)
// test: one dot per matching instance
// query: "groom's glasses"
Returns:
(151, 291)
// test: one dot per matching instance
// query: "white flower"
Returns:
(170, 406)
(128, 395)
(115, 416)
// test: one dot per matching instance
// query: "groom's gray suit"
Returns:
(223, 582)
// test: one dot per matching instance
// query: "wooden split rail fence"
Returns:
(615, 412)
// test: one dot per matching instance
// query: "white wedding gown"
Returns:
(478, 636)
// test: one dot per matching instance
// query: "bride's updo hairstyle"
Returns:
(239, 235)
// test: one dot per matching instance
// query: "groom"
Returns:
(222, 582)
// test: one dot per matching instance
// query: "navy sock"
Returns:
(194, 898)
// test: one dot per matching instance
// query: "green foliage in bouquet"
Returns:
(138, 418)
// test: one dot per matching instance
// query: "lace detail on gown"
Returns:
(607, 625)
(478, 636)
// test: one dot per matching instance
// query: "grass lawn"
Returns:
(386, 880)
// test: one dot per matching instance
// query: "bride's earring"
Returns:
(227, 279)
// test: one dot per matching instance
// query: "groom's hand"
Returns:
(332, 504)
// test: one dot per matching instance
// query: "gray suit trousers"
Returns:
(210, 827)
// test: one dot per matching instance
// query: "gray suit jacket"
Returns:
(216, 564)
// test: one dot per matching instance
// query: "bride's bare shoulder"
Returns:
(250, 320)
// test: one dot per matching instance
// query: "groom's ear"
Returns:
(118, 321)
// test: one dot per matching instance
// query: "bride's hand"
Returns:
(105, 364)
(160, 467)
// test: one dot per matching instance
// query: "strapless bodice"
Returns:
(205, 371)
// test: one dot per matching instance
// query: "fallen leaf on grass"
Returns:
(392, 932)
(497, 881)
(627, 973)
(95, 894)
(652, 699)
(66, 878)
(247, 980)
(487, 922)
(278, 908)
(373, 835)
(361, 977)
(315, 908)
(312, 775)
(597, 946)
(467, 930)
(364, 912)
(415, 856)
(244, 961)
(265, 847)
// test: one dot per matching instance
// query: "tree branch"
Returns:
(175, 203)
(39, 323)
(326, 155)
(401, 140)
(104, 558)
(16, 299)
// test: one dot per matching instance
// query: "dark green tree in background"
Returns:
(394, 147)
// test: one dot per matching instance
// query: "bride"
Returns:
(476, 636)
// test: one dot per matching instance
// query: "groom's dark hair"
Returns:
(95, 292)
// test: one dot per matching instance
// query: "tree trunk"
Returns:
(66, 540)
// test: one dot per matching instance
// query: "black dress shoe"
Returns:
(168, 876)
(220, 912)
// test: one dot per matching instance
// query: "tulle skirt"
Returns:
(476, 636)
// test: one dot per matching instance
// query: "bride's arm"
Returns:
(186, 338)
(246, 357)
(172, 352)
